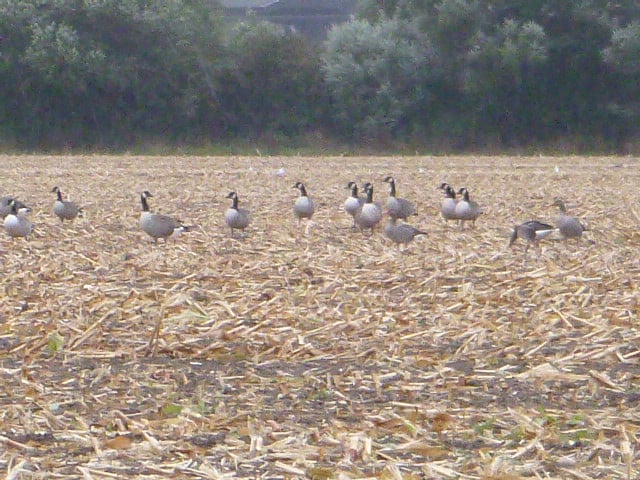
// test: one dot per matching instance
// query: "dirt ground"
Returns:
(317, 351)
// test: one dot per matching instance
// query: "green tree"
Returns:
(622, 57)
(378, 77)
(524, 69)
(503, 80)
(108, 72)
(269, 82)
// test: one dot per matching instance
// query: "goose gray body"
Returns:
(157, 225)
(16, 223)
(64, 209)
(303, 206)
(370, 214)
(467, 210)
(569, 227)
(401, 233)
(449, 203)
(531, 232)
(398, 208)
(236, 218)
(354, 203)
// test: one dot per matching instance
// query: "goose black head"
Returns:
(300, 186)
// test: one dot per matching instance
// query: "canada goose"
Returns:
(354, 203)
(156, 225)
(370, 214)
(401, 233)
(303, 207)
(569, 227)
(236, 218)
(467, 210)
(397, 207)
(532, 232)
(448, 208)
(5, 206)
(64, 209)
(16, 223)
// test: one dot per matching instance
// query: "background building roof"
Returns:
(312, 18)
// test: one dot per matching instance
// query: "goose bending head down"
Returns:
(157, 225)
(64, 209)
(236, 218)
(532, 232)
(401, 234)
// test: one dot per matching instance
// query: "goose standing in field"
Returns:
(64, 209)
(569, 227)
(401, 233)
(5, 206)
(303, 207)
(532, 232)
(236, 218)
(398, 207)
(448, 208)
(156, 225)
(16, 223)
(467, 210)
(354, 203)
(370, 214)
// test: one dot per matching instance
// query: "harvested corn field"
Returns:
(314, 350)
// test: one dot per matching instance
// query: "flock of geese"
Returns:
(366, 215)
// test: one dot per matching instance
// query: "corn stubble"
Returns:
(317, 352)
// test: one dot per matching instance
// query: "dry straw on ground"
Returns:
(319, 353)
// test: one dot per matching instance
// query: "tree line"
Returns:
(446, 74)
